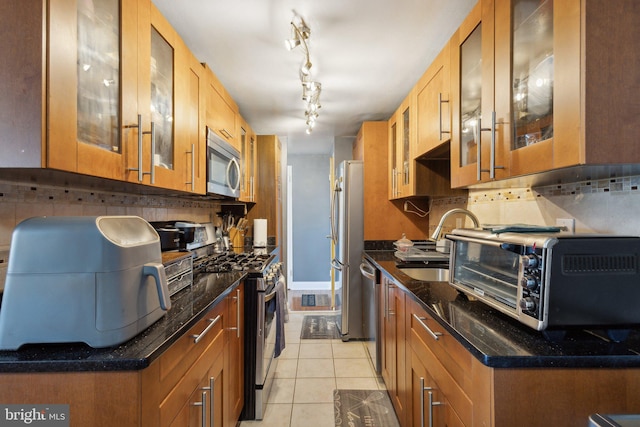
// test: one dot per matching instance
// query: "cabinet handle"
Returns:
(203, 406)
(386, 299)
(198, 337)
(193, 167)
(435, 335)
(139, 132)
(440, 102)
(492, 155)
(237, 328)
(422, 390)
(251, 196)
(212, 383)
(431, 405)
(226, 134)
(153, 153)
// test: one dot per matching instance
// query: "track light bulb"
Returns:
(305, 69)
(290, 44)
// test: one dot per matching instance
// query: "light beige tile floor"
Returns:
(308, 371)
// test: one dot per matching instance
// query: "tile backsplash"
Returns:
(600, 206)
(19, 201)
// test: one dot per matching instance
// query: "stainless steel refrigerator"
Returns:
(347, 232)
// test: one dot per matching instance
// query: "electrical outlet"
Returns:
(569, 224)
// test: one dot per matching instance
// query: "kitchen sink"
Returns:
(427, 274)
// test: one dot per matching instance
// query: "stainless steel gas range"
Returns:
(260, 319)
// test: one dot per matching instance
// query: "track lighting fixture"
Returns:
(300, 33)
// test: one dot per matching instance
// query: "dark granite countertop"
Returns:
(501, 342)
(187, 307)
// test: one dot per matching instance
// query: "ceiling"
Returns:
(367, 54)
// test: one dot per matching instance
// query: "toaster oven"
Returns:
(551, 281)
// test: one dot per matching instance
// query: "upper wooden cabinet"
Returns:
(222, 111)
(432, 104)
(87, 84)
(268, 187)
(249, 159)
(190, 121)
(543, 85)
(401, 138)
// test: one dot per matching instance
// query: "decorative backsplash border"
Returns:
(607, 185)
(13, 192)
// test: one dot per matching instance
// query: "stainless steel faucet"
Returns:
(436, 234)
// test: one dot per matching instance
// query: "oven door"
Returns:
(266, 345)
(223, 167)
(488, 272)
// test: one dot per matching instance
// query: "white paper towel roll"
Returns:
(259, 233)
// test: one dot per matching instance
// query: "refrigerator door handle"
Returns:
(337, 265)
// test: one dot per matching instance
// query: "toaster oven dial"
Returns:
(530, 282)
(530, 261)
(527, 304)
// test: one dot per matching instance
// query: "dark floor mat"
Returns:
(319, 327)
(363, 408)
(313, 300)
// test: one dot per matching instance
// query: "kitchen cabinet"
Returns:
(411, 172)
(474, 138)
(222, 112)
(534, 88)
(430, 406)
(234, 388)
(401, 134)
(432, 104)
(393, 336)
(190, 123)
(249, 159)
(371, 146)
(269, 187)
(394, 160)
(182, 374)
(88, 84)
(203, 366)
(448, 385)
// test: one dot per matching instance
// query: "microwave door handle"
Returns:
(237, 165)
(231, 163)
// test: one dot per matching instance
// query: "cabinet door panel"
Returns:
(90, 50)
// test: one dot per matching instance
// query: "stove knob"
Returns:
(530, 261)
(529, 282)
(527, 304)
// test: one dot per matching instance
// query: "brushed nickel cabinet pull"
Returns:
(198, 337)
(435, 335)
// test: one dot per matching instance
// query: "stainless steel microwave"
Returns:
(223, 166)
(551, 281)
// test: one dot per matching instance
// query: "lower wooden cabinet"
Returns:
(394, 346)
(195, 382)
(430, 406)
(448, 386)
(453, 379)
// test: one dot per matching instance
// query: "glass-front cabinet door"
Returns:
(92, 51)
(394, 169)
(248, 156)
(167, 90)
(530, 71)
(479, 120)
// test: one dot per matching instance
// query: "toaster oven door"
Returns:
(488, 272)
